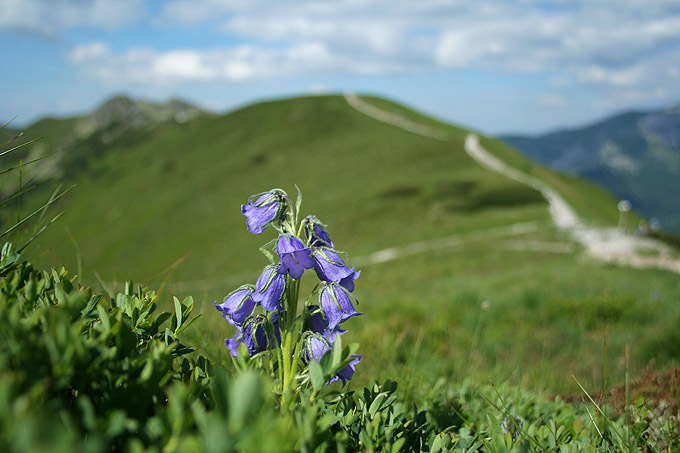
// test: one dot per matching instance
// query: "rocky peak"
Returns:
(120, 114)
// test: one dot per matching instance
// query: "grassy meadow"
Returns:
(161, 207)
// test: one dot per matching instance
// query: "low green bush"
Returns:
(83, 371)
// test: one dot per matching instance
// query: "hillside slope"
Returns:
(483, 267)
(150, 198)
(634, 155)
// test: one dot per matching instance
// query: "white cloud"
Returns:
(653, 79)
(48, 17)
(598, 43)
(554, 100)
(318, 88)
(144, 65)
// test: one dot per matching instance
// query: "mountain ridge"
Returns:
(634, 155)
(281, 143)
(71, 143)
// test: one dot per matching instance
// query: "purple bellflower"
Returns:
(269, 288)
(336, 304)
(238, 305)
(295, 257)
(259, 334)
(329, 266)
(316, 233)
(348, 282)
(321, 343)
(346, 373)
(318, 345)
(266, 209)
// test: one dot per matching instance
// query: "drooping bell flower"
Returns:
(336, 304)
(346, 373)
(314, 321)
(320, 344)
(238, 305)
(266, 208)
(316, 233)
(269, 288)
(295, 257)
(234, 342)
(329, 266)
(348, 282)
(259, 334)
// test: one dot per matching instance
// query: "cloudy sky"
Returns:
(497, 65)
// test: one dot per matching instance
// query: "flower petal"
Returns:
(269, 288)
(348, 282)
(295, 257)
(336, 305)
(269, 207)
(238, 305)
(329, 266)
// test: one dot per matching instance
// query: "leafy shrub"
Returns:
(87, 362)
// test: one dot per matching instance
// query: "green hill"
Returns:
(159, 204)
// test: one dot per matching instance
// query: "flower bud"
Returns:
(315, 232)
(264, 209)
(238, 305)
(269, 288)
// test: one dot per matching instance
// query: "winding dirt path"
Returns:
(610, 245)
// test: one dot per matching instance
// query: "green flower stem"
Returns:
(290, 339)
(286, 353)
(311, 294)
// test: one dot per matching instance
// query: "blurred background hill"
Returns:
(634, 155)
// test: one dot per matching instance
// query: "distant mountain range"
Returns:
(77, 143)
(634, 155)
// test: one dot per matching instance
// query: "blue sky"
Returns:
(496, 66)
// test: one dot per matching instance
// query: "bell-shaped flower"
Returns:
(346, 373)
(322, 340)
(314, 321)
(238, 305)
(329, 266)
(264, 209)
(295, 257)
(316, 233)
(259, 334)
(336, 304)
(233, 343)
(348, 282)
(269, 288)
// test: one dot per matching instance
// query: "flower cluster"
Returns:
(296, 338)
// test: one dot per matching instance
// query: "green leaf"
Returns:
(147, 371)
(181, 350)
(245, 397)
(178, 311)
(316, 375)
(337, 352)
(186, 326)
(91, 304)
(188, 305)
(398, 445)
(375, 405)
(298, 202)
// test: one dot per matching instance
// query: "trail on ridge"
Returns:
(610, 245)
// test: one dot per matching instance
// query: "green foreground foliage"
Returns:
(82, 371)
